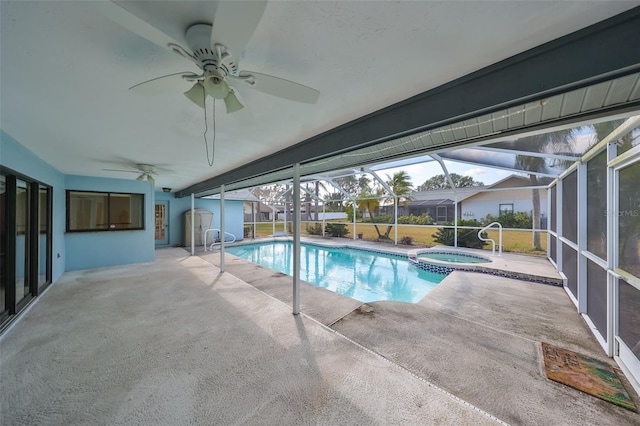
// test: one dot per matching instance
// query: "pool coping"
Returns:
(397, 253)
(443, 267)
(435, 266)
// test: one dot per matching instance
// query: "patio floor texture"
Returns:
(177, 342)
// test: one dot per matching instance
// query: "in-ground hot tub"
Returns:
(444, 261)
(452, 257)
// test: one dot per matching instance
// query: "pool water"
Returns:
(358, 274)
(453, 257)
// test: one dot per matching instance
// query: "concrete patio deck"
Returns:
(176, 342)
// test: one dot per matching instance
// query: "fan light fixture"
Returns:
(147, 176)
(196, 94)
(232, 102)
(215, 86)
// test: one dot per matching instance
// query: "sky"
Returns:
(421, 172)
(581, 141)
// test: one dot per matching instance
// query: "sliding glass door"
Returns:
(25, 242)
(4, 312)
(44, 236)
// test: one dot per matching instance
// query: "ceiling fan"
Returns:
(145, 171)
(212, 48)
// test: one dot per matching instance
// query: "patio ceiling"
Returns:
(494, 140)
(385, 70)
(340, 149)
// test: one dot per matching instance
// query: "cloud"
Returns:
(477, 171)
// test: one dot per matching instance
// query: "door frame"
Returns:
(166, 240)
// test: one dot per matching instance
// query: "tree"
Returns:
(441, 182)
(349, 184)
(333, 201)
(628, 210)
(318, 185)
(400, 184)
(353, 185)
(269, 192)
(369, 201)
(554, 142)
(307, 202)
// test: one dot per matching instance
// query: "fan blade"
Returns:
(120, 170)
(235, 22)
(165, 84)
(124, 15)
(278, 87)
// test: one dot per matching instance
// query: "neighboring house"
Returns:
(488, 201)
(439, 204)
(263, 212)
(475, 202)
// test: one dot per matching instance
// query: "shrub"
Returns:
(385, 218)
(521, 220)
(336, 229)
(316, 229)
(406, 240)
(349, 211)
(466, 237)
(423, 219)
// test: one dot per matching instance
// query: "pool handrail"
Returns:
(233, 238)
(493, 242)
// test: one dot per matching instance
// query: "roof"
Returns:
(440, 195)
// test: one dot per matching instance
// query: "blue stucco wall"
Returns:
(16, 157)
(87, 250)
(234, 215)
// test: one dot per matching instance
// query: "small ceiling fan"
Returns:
(212, 48)
(145, 171)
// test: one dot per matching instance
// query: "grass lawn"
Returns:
(518, 241)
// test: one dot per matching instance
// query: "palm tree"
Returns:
(368, 201)
(401, 185)
(307, 202)
(556, 142)
(318, 185)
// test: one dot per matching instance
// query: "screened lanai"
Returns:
(588, 165)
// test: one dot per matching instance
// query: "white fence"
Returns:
(321, 216)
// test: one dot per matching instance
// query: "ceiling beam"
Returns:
(603, 51)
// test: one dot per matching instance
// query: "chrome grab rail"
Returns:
(217, 242)
(493, 248)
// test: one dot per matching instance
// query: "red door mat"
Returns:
(586, 374)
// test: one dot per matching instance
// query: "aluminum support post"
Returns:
(296, 239)
(222, 234)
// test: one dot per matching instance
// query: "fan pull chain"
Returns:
(206, 129)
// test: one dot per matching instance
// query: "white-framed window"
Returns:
(505, 208)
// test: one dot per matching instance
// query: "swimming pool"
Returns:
(362, 275)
